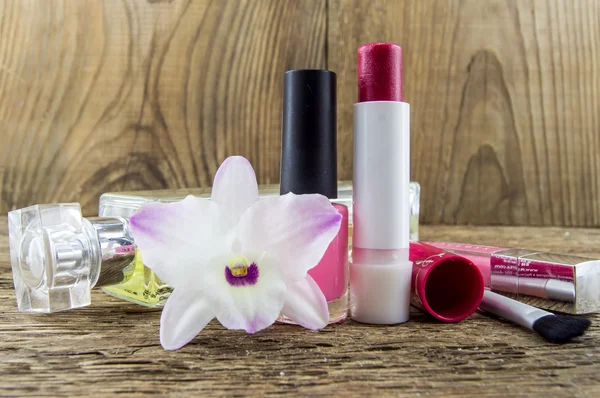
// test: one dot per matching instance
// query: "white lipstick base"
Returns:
(380, 274)
(381, 201)
(380, 286)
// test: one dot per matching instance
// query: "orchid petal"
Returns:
(251, 307)
(235, 186)
(176, 240)
(305, 304)
(295, 229)
(186, 313)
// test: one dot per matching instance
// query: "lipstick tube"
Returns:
(444, 284)
(557, 282)
(380, 273)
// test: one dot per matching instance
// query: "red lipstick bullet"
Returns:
(379, 68)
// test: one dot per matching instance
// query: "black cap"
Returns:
(308, 148)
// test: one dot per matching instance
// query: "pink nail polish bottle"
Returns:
(309, 166)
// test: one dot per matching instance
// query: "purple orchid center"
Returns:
(239, 273)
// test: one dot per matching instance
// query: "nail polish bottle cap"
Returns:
(308, 152)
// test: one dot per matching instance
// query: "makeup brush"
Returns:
(557, 329)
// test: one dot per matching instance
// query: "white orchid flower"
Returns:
(235, 257)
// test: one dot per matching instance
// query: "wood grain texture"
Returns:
(505, 103)
(112, 95)
(113, 347)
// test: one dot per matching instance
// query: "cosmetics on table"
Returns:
(559, 282)
(57, 257)
(380, 271)
(309, 166)
(127, 279)
(122, 274)
(445, 285)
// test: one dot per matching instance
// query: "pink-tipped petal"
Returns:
(176, 240)
(305, 304)
(294, 229)
(186, 313)
(235, 186)
(253, 306)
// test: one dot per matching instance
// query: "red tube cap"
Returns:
(447, 286)
(379, 72)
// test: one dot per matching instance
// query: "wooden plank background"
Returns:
(111, 95)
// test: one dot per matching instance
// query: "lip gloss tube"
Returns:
(558, 282)
(380, 271)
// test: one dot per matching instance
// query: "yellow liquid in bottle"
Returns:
(140, 285)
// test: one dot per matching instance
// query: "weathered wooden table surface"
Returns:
(113, 347)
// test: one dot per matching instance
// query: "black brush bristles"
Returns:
(560, 329)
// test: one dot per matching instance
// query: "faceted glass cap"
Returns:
(51, 253)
